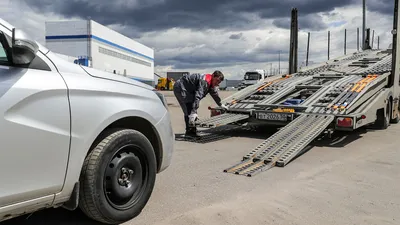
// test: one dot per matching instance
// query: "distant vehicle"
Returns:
(165, 83)
(74, 136)
(252, 77)
(231, 89)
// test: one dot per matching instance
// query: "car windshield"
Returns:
(252, 76)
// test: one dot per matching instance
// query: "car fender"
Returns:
(79, 152)
(93, 109)
(118, 116)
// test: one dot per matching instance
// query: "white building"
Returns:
(97, 46)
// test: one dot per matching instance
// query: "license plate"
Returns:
(273, 116)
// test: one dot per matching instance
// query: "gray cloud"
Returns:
(312, 22)
(153, 15)
(210, 56)
(381, 6)
(282, 23)
(216, 62)
(236, 36)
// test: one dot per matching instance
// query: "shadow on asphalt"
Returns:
(208, 135)
(58, 216)
(341, 138)
(226, 132)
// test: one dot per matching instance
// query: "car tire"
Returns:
(118, 177)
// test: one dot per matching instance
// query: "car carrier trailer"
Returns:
(344, 94)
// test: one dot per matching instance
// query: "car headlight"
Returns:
(162, 98)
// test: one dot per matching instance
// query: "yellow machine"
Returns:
(165, 83)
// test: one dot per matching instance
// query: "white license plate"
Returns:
(273, 116)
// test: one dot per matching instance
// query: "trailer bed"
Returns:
(306, 104)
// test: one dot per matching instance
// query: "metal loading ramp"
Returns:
(283, 146)
(220, 120)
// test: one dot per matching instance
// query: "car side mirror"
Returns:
(23, 48)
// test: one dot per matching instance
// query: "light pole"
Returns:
(279, 65)
(363, 26)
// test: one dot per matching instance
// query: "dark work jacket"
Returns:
(194, 87)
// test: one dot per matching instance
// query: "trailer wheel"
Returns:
(118, 177)
(383, 118)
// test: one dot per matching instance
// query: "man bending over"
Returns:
(190, 89)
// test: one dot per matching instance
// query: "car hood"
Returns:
(114, 77)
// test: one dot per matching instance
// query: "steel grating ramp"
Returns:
(223, 119)
(212, 134)
(283, 146)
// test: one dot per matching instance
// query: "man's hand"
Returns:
(225, 107)
(192, 119)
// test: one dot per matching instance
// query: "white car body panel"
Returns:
(36, 118)
(50, 120)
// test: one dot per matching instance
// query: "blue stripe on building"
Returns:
(138, 78)
(148, 82)
(67, 37)
(59, 37)
(141, 80)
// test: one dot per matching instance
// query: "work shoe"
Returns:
(191, 132)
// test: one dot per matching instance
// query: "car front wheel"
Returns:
(118, 177)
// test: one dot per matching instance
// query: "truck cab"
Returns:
(165, 83)
(252, 77)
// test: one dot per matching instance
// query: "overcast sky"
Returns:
(205, 35)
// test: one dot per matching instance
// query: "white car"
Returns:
(74, 136)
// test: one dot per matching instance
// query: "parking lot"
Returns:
(353, 180)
